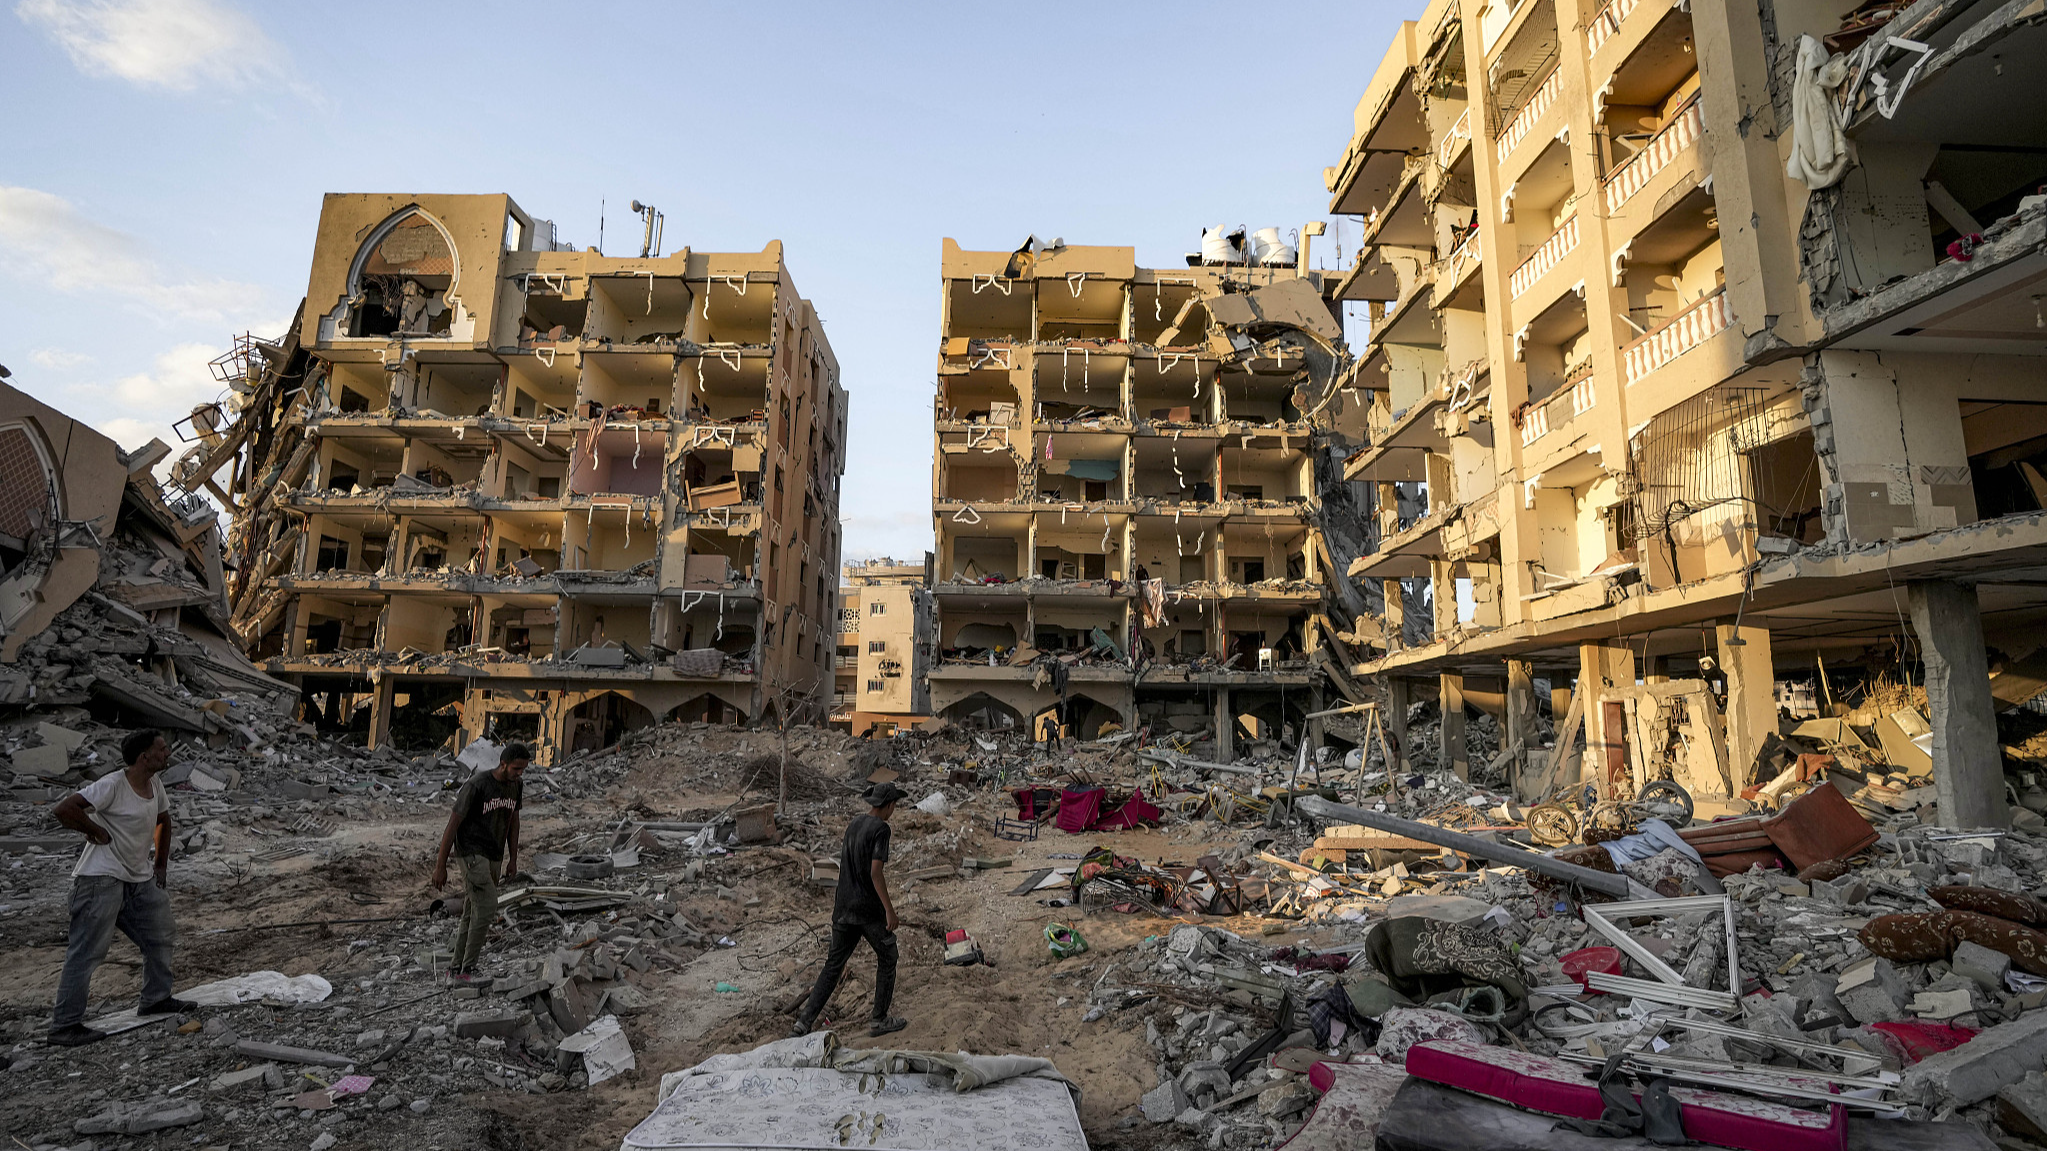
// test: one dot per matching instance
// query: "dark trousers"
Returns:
(846, 936)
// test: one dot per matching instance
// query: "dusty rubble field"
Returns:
(699, 954)
(440, 1091)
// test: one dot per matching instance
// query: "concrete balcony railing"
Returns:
(1525, 119)
(1446, 149)
(1666, 145)
(1568, 403)
(1552, 251)
(1606, 23)
(845, 662)
(1677, 335)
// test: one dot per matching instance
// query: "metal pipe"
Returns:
(1618, 886)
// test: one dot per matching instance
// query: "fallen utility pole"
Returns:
(1618, 886)
(1171, 760)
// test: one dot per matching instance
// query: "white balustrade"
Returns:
(1552, 251)
(1680, 334)
(1666, 145)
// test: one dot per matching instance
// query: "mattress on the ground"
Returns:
(770, 1108)
(1557, 1087)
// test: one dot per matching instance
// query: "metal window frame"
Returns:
(1669, 986)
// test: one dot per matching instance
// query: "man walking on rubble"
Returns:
(862, 909)
(483, 832)
(123, 815)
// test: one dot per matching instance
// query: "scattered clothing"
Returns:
(1425, 958)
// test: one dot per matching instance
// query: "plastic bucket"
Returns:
(1583, 962)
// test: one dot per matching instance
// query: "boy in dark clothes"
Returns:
(862, 909)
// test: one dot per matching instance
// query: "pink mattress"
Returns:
(1555, 1087)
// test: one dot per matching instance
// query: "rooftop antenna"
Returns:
(600, 225)
(650, 234)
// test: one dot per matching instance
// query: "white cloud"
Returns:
(180, 45)
(58, 359)
(46, 237)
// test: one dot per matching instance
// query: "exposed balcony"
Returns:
(1668, 144)
(1518, 128)
(1677, 335)
(1454, 139)
(1567, 404)
(1606, 23)
(1552, 252)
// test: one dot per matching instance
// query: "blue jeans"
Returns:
(99, 904)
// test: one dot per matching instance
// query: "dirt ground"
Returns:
(718, 999)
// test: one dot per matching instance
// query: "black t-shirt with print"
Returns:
(486, 804)
(857, 901)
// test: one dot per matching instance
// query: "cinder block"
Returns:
(1981, 964)
(495, 1024)
(1872, 992)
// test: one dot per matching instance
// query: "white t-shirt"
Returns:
(130, 823)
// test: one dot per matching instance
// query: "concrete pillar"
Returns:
(1751, 698)
(1399, 697)
(381, 706)
(1601, 667)
(1314, 733)
(1968, 768)
(1656, 669)
(1225, 728)
(1559, 701)
(1520, 709)
(1451, 752)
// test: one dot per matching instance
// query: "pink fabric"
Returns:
(1078, 810)
(1135, 812)
(1555, 1087)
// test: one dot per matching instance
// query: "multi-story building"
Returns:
(494, 485)
(1124, 490)
(884, 652)
(1685, 344)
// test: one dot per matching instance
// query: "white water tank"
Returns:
(1268, 249)
(1222, 245)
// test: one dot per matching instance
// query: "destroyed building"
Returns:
(491, 484)
(883, 665)
(1125, 489)
(1700, 359)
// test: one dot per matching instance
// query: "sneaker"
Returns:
(76, 1035)
(169, 1006)
(884, 1026)
(466, 978)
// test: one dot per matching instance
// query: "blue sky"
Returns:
(165, 159)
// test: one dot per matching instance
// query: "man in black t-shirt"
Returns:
(862, 909)
(483, 832)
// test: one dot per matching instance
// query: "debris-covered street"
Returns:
(1530, 634)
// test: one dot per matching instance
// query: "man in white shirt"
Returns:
(123, 815)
